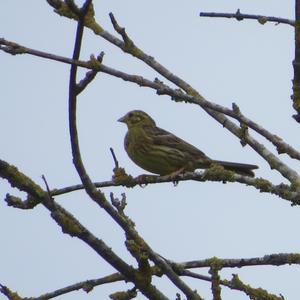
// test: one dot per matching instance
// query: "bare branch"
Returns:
(90, 75)
(128, 43)
(267, 260)
(216, 174)
(264, 186)
(239, 17)
(86, 285)
(254, 293)
(236, 284)
(296, 65)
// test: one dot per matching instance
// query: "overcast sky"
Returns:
(226, 61)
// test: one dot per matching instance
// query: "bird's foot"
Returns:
(142, 180)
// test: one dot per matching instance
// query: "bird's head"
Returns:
(137, 118)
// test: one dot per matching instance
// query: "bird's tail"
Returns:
(239, 168)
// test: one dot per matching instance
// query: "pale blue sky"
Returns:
(226, 61)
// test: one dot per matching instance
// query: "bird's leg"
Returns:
(174, 174)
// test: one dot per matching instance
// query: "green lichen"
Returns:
(19, 180)
(294, 258)
(88, 286)
(120, 177)
(89, 20)
(130, 294)
(215, 263)
(94, 26)
(14, 296)
(253, 293)
(217, 173)
(68, 224)
(65, 11)
(296, 105)
(192, 92)
(133, 50)
(243, 134)
(295, 186)
(142, 279)
(94, 63)
(263, 185)
(138, 249)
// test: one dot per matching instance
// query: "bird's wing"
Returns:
(163, 137)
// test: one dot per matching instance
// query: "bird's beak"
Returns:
(123, 119)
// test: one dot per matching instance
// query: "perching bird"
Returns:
(161, 152)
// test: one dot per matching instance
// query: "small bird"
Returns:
(161, 152)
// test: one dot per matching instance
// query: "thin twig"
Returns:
(86, 285)
(90, 75)
(196, 275)
(47, 186)
(121, 30)
(114, 157)
(239, 17)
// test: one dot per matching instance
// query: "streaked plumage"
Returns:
(161, 152)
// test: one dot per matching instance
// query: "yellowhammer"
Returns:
(161, 152)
